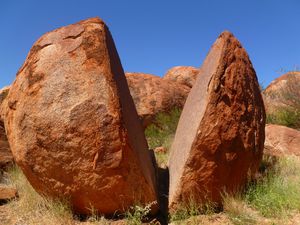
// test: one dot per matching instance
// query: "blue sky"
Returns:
(153, 36)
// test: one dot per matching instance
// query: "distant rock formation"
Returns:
(152, 95)
(185, 75)
(72, 124)
(220, 136)
(283, 92)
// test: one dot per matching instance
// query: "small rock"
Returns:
(160, 150)
(7, 194)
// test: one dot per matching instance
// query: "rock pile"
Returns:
(220, 136)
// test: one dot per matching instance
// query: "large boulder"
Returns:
(185, 75)
(6, 158)
(152, 95)
(72, 124)
(283, 93)
(220, 136)
(281, 140)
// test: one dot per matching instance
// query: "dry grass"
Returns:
(33, 209)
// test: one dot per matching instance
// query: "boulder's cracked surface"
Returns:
(72, 124)
(220, 136)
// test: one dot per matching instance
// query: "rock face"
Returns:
(152, 95)
(185, 75)
(72, 124)
(6, 158)
(281, 140)
(283, 92)
(220, 135)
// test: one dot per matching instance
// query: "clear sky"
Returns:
(155, 35)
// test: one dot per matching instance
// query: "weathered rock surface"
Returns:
(220, 136)
(185, 75)
(281, 140)
(7, 194)
(6, 158)
(283, 92)
(152, 95)
(72, 124)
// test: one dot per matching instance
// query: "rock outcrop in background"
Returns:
(152, 95)
(282, 92)
(220, 136)
(282, 100)
(185, 75)
(72, 124)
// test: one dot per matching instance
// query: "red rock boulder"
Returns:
(152, 95)
(6, 158)
(281, 140)
(220, 136)
(72, 124)
(185, 75)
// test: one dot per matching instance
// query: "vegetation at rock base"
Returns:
(161, 132)
(274, 198)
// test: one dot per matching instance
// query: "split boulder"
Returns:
(72, 124)
(220, 136)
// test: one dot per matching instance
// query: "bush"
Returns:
(163, 128)
(161, 133)
(278, 193)
(285, 116)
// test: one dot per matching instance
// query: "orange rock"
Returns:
(72, 124)
(152, 95)
(160, 149)
(6, 158)
(7, 193)
(283, 92)
(281, 140)
(220, 136)
(185, 75)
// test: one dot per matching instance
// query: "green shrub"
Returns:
(285, 116)
(278, 193)
(163, 128)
